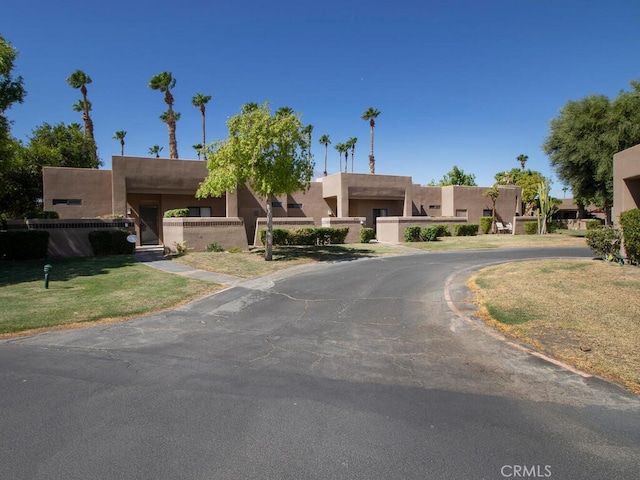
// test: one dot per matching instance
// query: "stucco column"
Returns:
(119, 189)
(408, 202)
(231, 202)
(343, 201)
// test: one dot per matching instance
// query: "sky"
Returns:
(467, 83)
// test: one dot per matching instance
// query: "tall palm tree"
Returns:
(119, 135)
(307, 131)
(522, 159)
(198, 148)
(341, 148)
(199, 100)
(155, 150)
(79, 79)
(352, 145)
(165, 82)
(324, 140)
(371, 114)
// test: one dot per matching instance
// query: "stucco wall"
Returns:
(353, 223)
(626, 181)
(391, 229)
(200, 232)
(92, 187)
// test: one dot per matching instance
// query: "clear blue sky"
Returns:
(469, 83)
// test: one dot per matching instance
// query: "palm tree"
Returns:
(198, 148)
(199, 100)
(371, 114)
(324, 140)
(165, 82)
(341, 148)
(522, 159)
(166, 118)
(155, 150)
(307, 131)
(79, 79)
(119, 135)
(352, 145)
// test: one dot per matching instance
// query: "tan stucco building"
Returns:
(626, 181)
(144, 188)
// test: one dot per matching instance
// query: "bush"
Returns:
(485, 224)
(214, 247)
(280, 236)
(367, 234)
(442, 230)
(630, 222)
(412, 234)
(176, 212)
(303, 236)
(429, 234)
(465, 229)
(41, 214)
(24, 244)
(111, 242)
(235, 249)
(604, 241)
(593, 224)
(531, 228)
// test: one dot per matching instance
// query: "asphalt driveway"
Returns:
(358, 370)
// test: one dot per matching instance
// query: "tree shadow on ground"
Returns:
(14, 272)
(320, 253)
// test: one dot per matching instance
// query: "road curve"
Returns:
(358, 370)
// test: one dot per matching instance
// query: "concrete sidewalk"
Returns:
(156, 259)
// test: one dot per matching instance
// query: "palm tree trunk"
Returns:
(346, 161)
(173, 144)
(122, 148)
(204, 141)
(372, 160)
(326, 146)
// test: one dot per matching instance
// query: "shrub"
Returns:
(429, 234)
(235, 249)
(280, 236)
(41, 214)
(630, 222)
(593, 223)
(465, 229)
(604, 241)
(304, 236)
(367, 234)
(214, 247)
(335, 236)
(181, 247)
(111, 242)
(485, 224)
(176, 212)
(412, 234)
(23, 244)
(442, 230)
(530, 228)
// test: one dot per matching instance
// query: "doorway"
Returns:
(149, 225)
(378, 212)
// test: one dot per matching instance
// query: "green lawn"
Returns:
(87, 289)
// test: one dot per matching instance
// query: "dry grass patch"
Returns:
(501, 241)
(586, 313)
(252, 264)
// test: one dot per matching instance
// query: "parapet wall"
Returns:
(391, 229)
(198, 232)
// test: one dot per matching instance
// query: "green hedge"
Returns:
(433, 232)
(485, 224)
(367, 234)
(307, 236)
(593, 223)
(412, 234)
(604, 241)
(24, 244)
(41, 214)
(111, 242)
(176, 212)
(531, 228)
(465, 229)
(630, 223)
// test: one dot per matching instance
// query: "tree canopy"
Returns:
(265, 150)
(584, 137)
(528, 180)
(11, 88)
(456, 177)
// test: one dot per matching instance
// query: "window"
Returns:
(434, 207)
(199, 211)
(67, 201)
(276, 204)
(487, 212)
(294, 205)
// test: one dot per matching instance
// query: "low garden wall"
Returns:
(354, 224)
(391, 229)
(198, 232)
(69, 237)
(289, 223)
(518, 224)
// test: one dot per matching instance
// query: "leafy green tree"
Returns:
(456, 177)
(80, 80)
(200, 101)
(584, 138)
(371, 114)
(324, 140)
(119, 135)
(528, 180)
(55, 146)
(493, 193)
(155, 150)
(165, 82)
(11, 88)
(267, 151)
(351, 143)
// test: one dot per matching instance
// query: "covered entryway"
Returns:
(149, 225)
